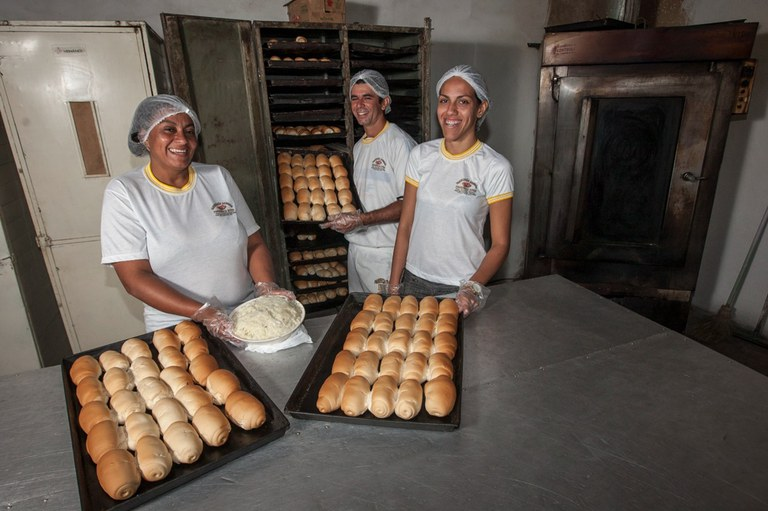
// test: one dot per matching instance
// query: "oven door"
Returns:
(629, 155)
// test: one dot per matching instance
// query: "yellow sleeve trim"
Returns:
(411, 181)
(499, 198)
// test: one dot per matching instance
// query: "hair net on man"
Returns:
(376, 81)
(150, 112)
(474, 79)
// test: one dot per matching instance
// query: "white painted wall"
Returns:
(492, 35)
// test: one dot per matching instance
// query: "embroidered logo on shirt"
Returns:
(379, 164)
(466, 187)
(223, 209)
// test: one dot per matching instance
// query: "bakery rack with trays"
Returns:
(302, 403)
(239, 443)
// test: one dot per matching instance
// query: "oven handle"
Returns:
(691, 177)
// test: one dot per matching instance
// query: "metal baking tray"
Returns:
(240, 442)
(302, 403)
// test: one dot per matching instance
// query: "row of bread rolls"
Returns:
(304, 236)
(173, 396)
(414, 366)
(406, 325)
(400, 341)
(329, 269)
(396, 305)
(302, 284)
(295, 256)
(321, 129)
(321, 296)
(277, 58)
(354, 395)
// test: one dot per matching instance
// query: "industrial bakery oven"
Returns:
(631, 130)
(272, 99)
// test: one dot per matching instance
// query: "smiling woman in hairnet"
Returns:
(451, 185)
(179, 234)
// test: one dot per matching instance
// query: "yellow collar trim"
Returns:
(168, 188)
(475, 147)
(368, 140)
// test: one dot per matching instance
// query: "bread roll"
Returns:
(322, 159)
(125, 403)
(317, 212)
(428, 305)
(290, 212)
(153, 389)
(167, 411)
(377, 343)
(391, 365)
(373, 302)
(245, 410)
(406, 322)
(83, 366)
(327, 184)
(201, 366)
(415, 368)
(103, 437)
(448, 306)
(334, 160)
(439, 396)
(137, 426)
(367, 366)
(329, 396)
(144, 367)
(348, 208)
(313, 183)
(409, 305)
(409, 400)
(118, 474)
(183, 442)
(220, 384)
(187, 330)
(398, 342)
(195, 347)
(303, 196)
(392, 305)
(153, 458)
(344, 362)
(192, 397)
(446, 343)
(329, 197)
(439, 365)
(421, 343)
(93, 413)
(112, 358)
(164, 338)
(90, 389)
(117, 379)
(446, 323)
(324, 170)
(317, 197)
(355, 340)
(176, 378)
(383, 395)
(342, 183)
(425, 323)
(300, 183)
(134, 348)
(345, 197)
(285, 181)
(305, 212)
(333, 209)
(297, 160)
(339, 171)
(364, 320)
(212, 425)
(287, 195)
(354, 396)
(383, 322)
(171, 357)
(309, 160)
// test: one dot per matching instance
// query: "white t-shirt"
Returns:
(379, 178)
(452, 203)
(195, 237)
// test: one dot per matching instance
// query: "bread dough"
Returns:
(266, 317)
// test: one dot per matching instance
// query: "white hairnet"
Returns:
(474, 79)
(376, 81)
(150, 112)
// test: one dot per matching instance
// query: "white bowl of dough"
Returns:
(269, 318)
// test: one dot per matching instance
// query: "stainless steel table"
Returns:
(569, 402)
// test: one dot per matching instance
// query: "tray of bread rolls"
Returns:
(153, 412)
(386, 361)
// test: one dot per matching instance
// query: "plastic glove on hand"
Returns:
(270, 288)
(216, 321)
(471, 297)
(344, 222)
(393, 288)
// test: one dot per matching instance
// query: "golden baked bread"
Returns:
(183, 442)
(153, 458)
(93, 413)
(355, 340)
(83, 366)
(192, 397)
(344, 362)
(345, 197)
(363, 320)
(187, 329)
(287, 195)
(407, 322)
(373, 302)
(117, 379)
(439, 396)
(144, 367)
(112, 358)
(409, 399)
(329, 198)
(153, 389)
(391, 365)
(354, 396)
(421, 343)
(448, 306)
(409, 305)
(383, 395)
(398, 342)
(118, 474)
(195, 347)
(220, 384)
(305, 212)
(90, 389)
(428, 305)
(342, 183)
(134, 348)
(176, 377)
(125, 403)
(201, 366)
(334, 160)
(425, 323)
(137, 426)
(377, 343)
(446, 343)
(103, 437)
(383, 322)
(333, 209)
(326, 182)
(329, 395)
(367, 366)
(212, 425)
(439, 365)
(290, 212)
(245, 410)
(415, 367)
(317, 212)
(348, 208)
(392, 305)
(164, 338)
(446, 323)
(339, 171)
(303, 196)
(172, 357)
(167, 411)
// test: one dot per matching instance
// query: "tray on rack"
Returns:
(302, 405)
(240, 442)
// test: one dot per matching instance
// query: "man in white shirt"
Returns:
(380, 158)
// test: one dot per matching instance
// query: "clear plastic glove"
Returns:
(393, 288)
(270, 288)
(216, 320)
(344, 222)
(471, 297)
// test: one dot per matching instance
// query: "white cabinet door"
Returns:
(68, 95)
